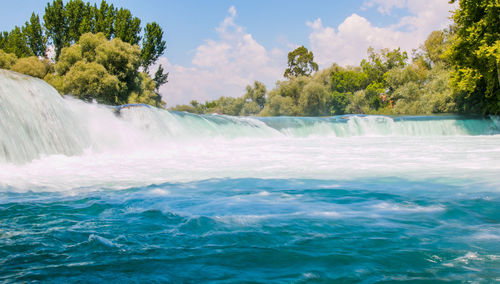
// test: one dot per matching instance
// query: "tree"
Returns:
(75, 11)
(16, 43)
(338, 102)
(435, 46)
(160, 77)
(90, 80)
(94, 60)
(34, 36)
(31, 66)
(378, 64)
(104, 19)
(229, 105)
(3, 39)
(153, 45)
(475, 55)
(300, 63)
(313, 100)
(7, 59)
(126, 27)
(55, 25)
(348, 81)
(87, 24)
(145, 93)
(256, 94)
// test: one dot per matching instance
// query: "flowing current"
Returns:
(89, 193)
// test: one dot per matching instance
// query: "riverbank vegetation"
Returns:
(455, 70)
(102, 53)
(99, 53)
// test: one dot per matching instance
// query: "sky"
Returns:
(216, 48)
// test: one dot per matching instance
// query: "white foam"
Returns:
(96, 149)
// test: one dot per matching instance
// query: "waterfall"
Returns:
(36, 121)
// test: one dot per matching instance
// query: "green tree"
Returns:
(7, 59)
(300, 63)
(104, 17)
(339, 102)
(87, 24)
(378, 64)
(31, 66)
(348, 81)
(313, 100)
(90, 80)
(475, 55)
(145, 93)
(153, 45)
(358, 104)
(16, 43)
(121, 60)
(160, 77)
(126, 27)
(34, 36)
(250, 108)
(257, 94)
(435, 47)
(74, 12)
(229, 105)
(3, 39)
(55, 25)
(278, 105)
(115, 61)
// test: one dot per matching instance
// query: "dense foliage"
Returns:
(98, 57)
(96, 52)
(384, 83)
(475, 55)
(454, 71)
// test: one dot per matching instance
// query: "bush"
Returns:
(7, 59)
(89, 81)
(31, 66)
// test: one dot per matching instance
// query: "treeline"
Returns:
(454, 71)
(384, 83)
(98, 52)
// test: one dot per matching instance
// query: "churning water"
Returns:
(151, 195)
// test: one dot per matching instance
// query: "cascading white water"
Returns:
(35, 121)
(371, 191)
(144, 145)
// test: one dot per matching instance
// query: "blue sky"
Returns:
(216, 48)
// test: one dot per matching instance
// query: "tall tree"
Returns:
(300, 63)
(87, 23)
(160, 77)
(256, 94)
(475, 54)
(16, 43)
(34, 36)
(75, 12)
(126, 27)
(104, 19)
(55, 25)
(3, 39)
(153, 45)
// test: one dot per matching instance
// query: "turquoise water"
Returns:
(149, 195)
(256, 230)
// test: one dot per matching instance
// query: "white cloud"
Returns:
(348, 43)
(222, 66)
(384, 6)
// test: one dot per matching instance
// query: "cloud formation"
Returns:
(347, 44)
(222, 66)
